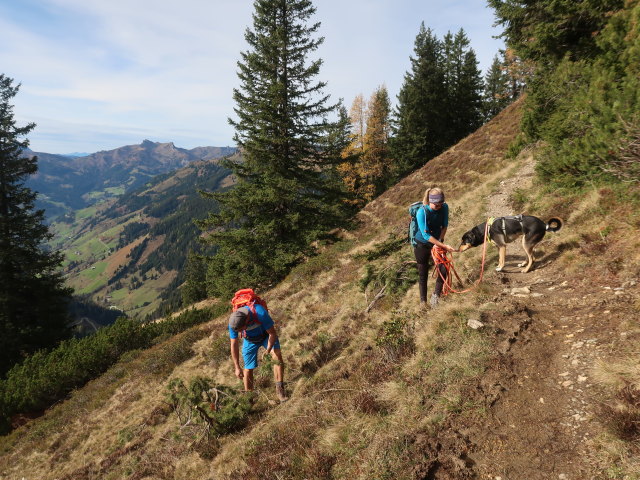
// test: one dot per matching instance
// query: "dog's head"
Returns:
(472, 238)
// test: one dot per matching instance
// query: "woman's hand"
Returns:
(449, 248)
(239, 373)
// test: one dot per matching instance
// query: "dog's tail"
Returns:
(554, 224)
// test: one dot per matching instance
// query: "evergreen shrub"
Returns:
(48, 376)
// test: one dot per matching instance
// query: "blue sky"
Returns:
(100, 74)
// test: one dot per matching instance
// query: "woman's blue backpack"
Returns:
(413, 223)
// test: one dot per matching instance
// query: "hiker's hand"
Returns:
(449, 248)
(239, 373)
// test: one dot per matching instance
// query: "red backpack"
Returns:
(247, 298)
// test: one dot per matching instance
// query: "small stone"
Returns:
(565, 374)
(582, 379)
(567, 383)
(577, 345)
(541, 400)
(563, 476)
(520, 290)
(475, 324)
(618, 293)
(565, 283)
(607, 311)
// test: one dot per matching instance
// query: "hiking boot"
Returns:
(282, 396)
(434, 300)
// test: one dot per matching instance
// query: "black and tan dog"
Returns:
(505, 230)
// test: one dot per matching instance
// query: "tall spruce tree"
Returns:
(497, 89)
(418, 116)
(33, 298)
(288, 191)
(440, 101)
(462, 102)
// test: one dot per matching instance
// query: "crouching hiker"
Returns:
(251, 322)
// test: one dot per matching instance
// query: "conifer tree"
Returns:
(352, 153)
(497, 92)
(440, 101)
(418, 116)
(366, 171)
(546, 32)
(194, 288)
(462, 103)
(288, 191)
(33, 298)
(376, 162)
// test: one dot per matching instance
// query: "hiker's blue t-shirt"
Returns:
(438, 219)
(255, 330)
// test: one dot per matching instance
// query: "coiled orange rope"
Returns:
(442, 257)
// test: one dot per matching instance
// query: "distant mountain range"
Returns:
(128, 252)
(68, 183)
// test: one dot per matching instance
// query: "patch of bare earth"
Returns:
(542, 408)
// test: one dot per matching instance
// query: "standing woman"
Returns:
(433, 220)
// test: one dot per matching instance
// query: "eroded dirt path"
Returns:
(551, 328)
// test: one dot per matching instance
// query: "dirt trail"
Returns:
(550, 330)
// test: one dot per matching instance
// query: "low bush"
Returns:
(217, 410)
(48, 376)
(395, 340)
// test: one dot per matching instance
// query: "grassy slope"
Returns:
(368, 400)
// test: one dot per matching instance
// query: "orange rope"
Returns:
(442, 257)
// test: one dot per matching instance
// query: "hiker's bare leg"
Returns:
(248, 380)
(278, 367)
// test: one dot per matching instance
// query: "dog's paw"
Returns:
(498, 269)
(522, 264)
(525, 270)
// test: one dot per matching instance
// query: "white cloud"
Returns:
(100, 74)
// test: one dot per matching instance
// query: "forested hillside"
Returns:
(68, 184)
(130, 254)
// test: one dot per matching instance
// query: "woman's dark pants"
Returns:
(423, 258)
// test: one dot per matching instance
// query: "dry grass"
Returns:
(368, 390)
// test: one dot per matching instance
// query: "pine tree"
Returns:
(366, 171)
(546, 32)
(352, 153)
(462, 102)
(440, 101)
(497, 93)
(288, 191)
(417, 118)
(376, 162)
(195, 287)
(33, 299)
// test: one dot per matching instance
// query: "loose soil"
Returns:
(542, 406)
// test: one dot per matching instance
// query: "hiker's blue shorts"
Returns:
(250, 352)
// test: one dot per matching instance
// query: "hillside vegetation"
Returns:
(384, 390)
